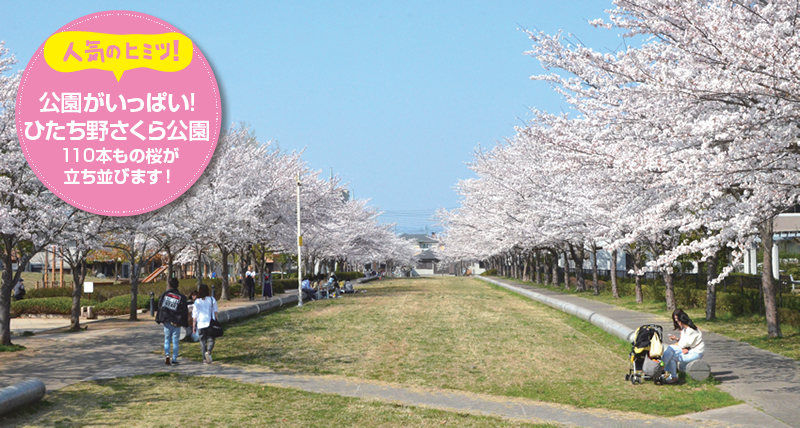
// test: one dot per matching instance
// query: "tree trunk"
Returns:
(5, 295)
(595, 284)
(199, 269)
(536, 267)
(578, 258)
(637, 266)
(170, 268)
(525, 269)
(78, 276)
(614, 289)
(669, 285)
(566, 271)
(134, 288)
(225, 283)
(554, 268)
(768, 282)
(545, 268)
(711, 289)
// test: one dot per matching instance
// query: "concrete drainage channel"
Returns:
(250, 310)
(698, 370)
(607, 324)
(32, 390)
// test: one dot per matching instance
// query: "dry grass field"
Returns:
(168, 400)
(461, 334)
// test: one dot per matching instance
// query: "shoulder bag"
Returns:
(214, 327)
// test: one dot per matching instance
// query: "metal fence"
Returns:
(736, 284)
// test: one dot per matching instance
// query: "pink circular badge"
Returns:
(118, 113)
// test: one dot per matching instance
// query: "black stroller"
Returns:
(646, 351)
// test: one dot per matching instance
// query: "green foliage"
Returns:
(489, 272)
(49, 292)
(46, 305)
(349, 275)
(11, 348)
(742, 303)
(654, 290)
(789, 317)
(689, 298)
(121, 305)
(280, 285)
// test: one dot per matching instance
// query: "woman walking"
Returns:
(250, 282)
(266, 289)
(205, 308)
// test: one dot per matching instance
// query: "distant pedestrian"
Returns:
(266, 290)
(173, 313)
(250, 282)
(205, 308)
(19, 290)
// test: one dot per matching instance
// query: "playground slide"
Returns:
(152, 277)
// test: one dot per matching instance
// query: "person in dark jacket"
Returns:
(266, 290)
(173, 313)
(19, 290)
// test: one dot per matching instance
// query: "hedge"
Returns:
(46, 305)
(121, 305)
(349, 275)
(49, 292)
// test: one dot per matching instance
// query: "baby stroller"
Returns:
(646, 351)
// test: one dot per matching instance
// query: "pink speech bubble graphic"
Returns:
(118, 147)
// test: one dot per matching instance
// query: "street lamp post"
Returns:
(299, 249)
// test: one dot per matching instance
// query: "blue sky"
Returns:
(394, 96)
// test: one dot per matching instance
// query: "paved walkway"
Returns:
(765, 381)
(118, 347)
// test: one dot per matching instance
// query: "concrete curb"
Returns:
(250, 310)
(18, 395)
(607, 324)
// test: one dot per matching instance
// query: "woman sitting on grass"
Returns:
(690, 346)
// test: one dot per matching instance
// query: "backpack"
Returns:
(656, 347)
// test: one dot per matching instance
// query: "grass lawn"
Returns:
(170, 400)
(11, 348)
(31, 278)
(461, 334)
(751, 329)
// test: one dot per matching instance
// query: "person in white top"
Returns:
(205, 307)
(250, 282)
(690, 346)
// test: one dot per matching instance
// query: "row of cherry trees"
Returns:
(681, 147)
(245, 202)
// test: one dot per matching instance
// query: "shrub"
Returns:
(349, 275)
(121, 305)
(789, 317)
(738, 304)
(489, 272)
(654, 291)
(281, 285)
(689, 298)
(48, 292)
(46, 305)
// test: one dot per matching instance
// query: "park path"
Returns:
(118, 347)
(762, 379)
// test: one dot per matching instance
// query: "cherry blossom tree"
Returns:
(81, 237)
(31, 217)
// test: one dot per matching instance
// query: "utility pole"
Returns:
(299, 250)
